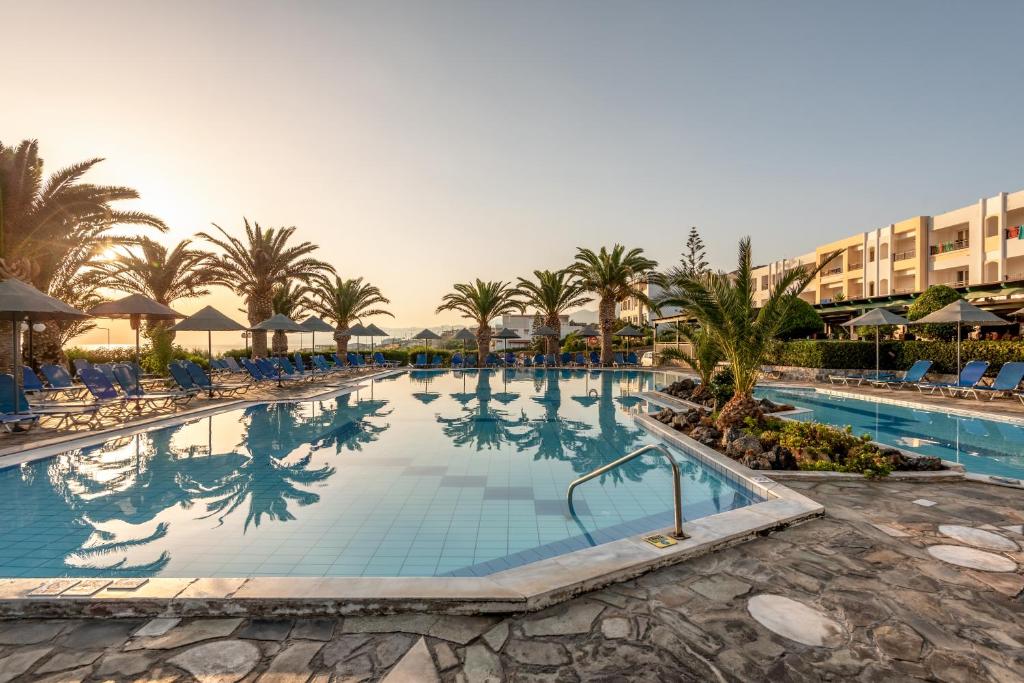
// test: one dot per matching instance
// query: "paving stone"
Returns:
(537, 652)
(978, 538)
(720, 587)
(71, 676)
(389, 649)
(577, 617)
(496, 637)
(186, 634)
(292, 665)
(100, 634)
(266, 629)
(482, 665)
(899, 642)
(445, 656)
(461, 630)
(314, 628)
(225, 661)
(29, 633)
(954, 667)
(62, 661)
(20, 661)
(962, 556)
(343, 648)
(125, 664)
(156, 627)
(616, 627)
(416, 666)
(795, 620)
(358, 668)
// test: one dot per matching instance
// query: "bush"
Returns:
(894, 355)
(931, 300)
(823, 447)
(722, 386)
(802, 321)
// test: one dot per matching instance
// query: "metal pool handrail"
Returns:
(677, 487)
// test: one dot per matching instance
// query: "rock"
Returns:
(292, 664)
(389, 649)
(678, 421)
(79, 675)
(342, 648)
(29, 632)
(124, 664)
(20, 661)
(616, 627)
(417, 666)
(496, 637)
(899, 642)
(720, 587)
(63, 661)
(266, 629)
(482, 665)
(225, 661)
(100, 634)
(758, 461)
(537, 652)
(156, 627)
(706, 435)
(314, 629)
(192, 632)
(744, 445)
(578, 617)
(445, 656)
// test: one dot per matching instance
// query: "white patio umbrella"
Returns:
(876, 318)
(960, 312)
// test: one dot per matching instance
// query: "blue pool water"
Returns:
(982, 446)
(423, 473)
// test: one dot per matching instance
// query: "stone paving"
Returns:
(853, 596)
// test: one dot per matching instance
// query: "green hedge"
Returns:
(895, 355)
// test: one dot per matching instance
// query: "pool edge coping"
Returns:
(529, 587)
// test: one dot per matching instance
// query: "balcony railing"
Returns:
(905, 255)
(1014, 276)
(832, 271)
(855, 266)
(946, 247)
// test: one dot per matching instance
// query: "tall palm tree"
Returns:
(49, 224)
(291, 302)
(252, 267)
(723, 305)
(705, 355)
(482, 302)
(553, 293)
(150, 269)
(345, 302)
(612, 276)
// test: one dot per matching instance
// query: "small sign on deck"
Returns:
(660, 540)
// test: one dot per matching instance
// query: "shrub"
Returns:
(823, 447)
(801, 321)
(894, 355)
(721, 386)
(931, 300)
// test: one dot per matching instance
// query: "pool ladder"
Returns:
(677, 487)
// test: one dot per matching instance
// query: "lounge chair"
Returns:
(510, 359)
(595, 359)
(437, 362)
(969, 378)
(130, 385)
(472, 360)
(255, 373)
(492, 361)
(1005, 383)
(550, 360)
(291, 371)
(34, 387)
(320, 363)
(618, 360)
(58, 378)
(80, 364)
(380, 361)
(914, 375)
(277, 371)
(538, 360)
(421, 360)
(631, 359)
(21, 416)
(527, 362)
(199, 378)
(457, 361)
(566, 359)
(581, 360)
(232, 366)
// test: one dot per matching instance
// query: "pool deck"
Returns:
(853, 595)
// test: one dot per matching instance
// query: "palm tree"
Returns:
(723, 305)
(290, 302)
(253, 267)
(164, 276)
(482, 302)
(552, 294)
(50, 229)
(705, 355)
(612, 276)
(345, 302)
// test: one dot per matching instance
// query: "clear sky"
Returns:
(423, 143)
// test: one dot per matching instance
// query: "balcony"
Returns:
(832, 271)
(1013, 276)
(946, 247)
(855, 266)
(905, 255)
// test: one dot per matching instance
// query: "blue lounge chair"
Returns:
(20, 416)
(550, 360)
(492, 361)
(278, 371)
(421, 360)
(632, 360)
(912, 377)
(527, 362)
(232, 365)
(510, 359)
(595, 358)
(538, 360)
(618, 359)
(80, 364)
(566, 359)
(969, 378)
(437, 362)
(200, 379)
(291, 371)
(128, 380)
(254, 370)
(471, 361)
(58, 378)
(457, 361)
(581, 360)
(1005, 383)
(380, 361)
(33, 386)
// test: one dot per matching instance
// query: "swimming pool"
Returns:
(424, 473)
(991, 447)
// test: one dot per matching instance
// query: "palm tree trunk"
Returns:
(6, 347)
(260, 308)
(553, 344)
(46, 346)
(279, 343)
(341, 337)
(606, 319)
(737, 409)
(483, 343)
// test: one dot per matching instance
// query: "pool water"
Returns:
(424, 473)
(983, 446)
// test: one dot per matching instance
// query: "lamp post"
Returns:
(107, 330)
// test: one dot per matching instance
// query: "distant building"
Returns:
(522, 324)
(638, 314)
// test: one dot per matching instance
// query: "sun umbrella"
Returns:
(505, 334)
(627, 332)
(208, 320)
(135, 307)
(20, 301)
(357, 331)
(876, 317)
(314, 324)
(426, 335)
(960, 312)
(374, 331)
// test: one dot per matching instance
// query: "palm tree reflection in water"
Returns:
(482, 426)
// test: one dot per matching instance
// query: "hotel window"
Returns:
(764, 282)
(871, 254)
(961, 277)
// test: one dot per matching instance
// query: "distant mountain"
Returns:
(585, 316)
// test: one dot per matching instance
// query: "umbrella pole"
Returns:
(209, 359)
(878, 365)
(958, 349)
(15, 364)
